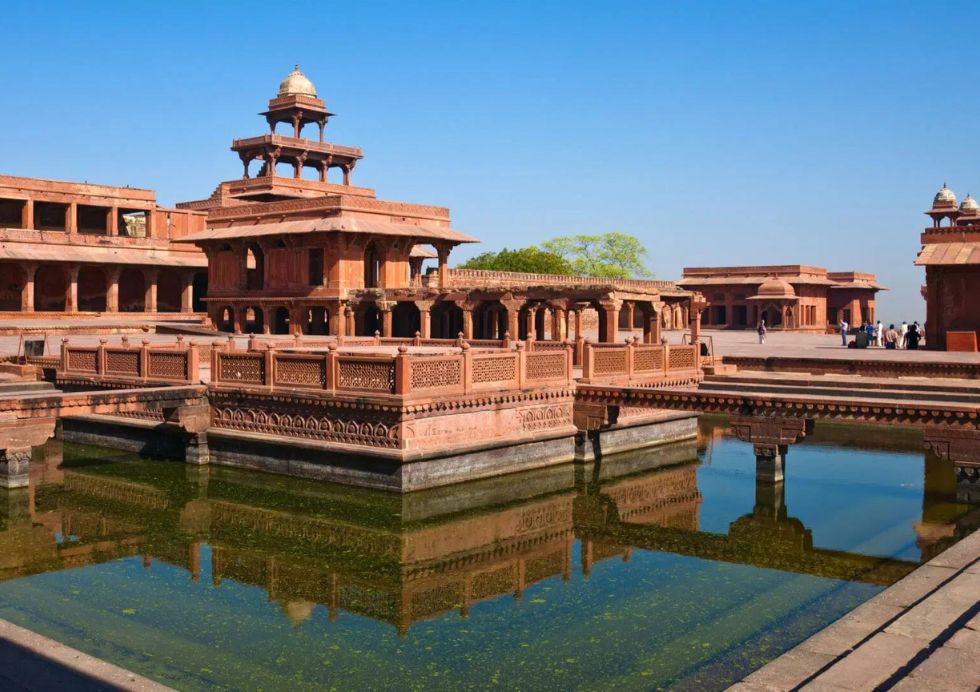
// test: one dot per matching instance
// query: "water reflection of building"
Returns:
(397, 559)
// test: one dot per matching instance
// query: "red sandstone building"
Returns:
(76, 247)
(951, 255)
(304, 254)
(788, 297)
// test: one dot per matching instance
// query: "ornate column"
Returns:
(558, 323)
(611, 310)
(386, 306)
(698, 304)
(150, 301)
(348, 167)
(112, 289)
(630, 315)
(532, 322)
(350, 320)
(187, 293)
(71, 294)
(467, 308)
(425, 317)
(443, 253)
(27, 290)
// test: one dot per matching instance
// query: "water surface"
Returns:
(664, 568)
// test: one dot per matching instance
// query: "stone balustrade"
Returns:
(634, 362)
(404, 375)
(486, 277)
(128, 364)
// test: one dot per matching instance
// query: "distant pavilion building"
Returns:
(68, 248)
(951, 256)
(788, 297)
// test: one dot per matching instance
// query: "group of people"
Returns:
(907, 336)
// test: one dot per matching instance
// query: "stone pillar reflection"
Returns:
(770, 461)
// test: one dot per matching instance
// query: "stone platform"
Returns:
(922, 633)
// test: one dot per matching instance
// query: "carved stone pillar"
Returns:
(71, 288)
(187, 293)
(27, 290)
(468, 322)
(71, 218)
(770, 461)
(112, 289)
(513, 306)
(532, 322)
(630, 315)
(112, 221)
(425, 317)
(151, 276)
(611, 328)
(351, 321)
(14, 467)
(443, 252)
(386, 307)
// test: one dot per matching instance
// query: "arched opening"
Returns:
(199, 291)
(370, 321)
(91, 289)
(447, 320)
(490, 320)
(169, 287)
(226, 319)
(372, 266)
(773, 316)
(255, 261)
(254, 320)
(11, 286)
(319, 321)
(132, 290)
(405, 320)
(50, 287)
(280, 321)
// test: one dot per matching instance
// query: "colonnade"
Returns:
(74, 287)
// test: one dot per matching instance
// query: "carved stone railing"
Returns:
(636, 363)
(486, 277)
(417, 375)
(128, 364)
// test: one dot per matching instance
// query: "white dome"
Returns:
(944, 196)
(296, 84)
(969, 204)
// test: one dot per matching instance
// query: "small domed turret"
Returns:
(944, 198)
(296, 84)
(969, 205)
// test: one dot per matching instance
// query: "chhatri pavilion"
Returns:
(291, 251)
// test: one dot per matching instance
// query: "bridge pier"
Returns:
(194, 420)
(770, 463)
(771, 437)
(17, 438)
(961, 446)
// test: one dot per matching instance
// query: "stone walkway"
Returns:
(922, 633)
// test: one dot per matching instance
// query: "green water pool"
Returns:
(667, 568)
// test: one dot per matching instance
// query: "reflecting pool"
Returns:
(670, 567)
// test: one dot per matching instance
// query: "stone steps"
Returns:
(916, 393)
(19, 388)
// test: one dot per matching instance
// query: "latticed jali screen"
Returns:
(438, 372)
(301, 371)
(682, 357)
(122, 362)
(377, 376)
(544, 366)
(648, 359)
(167, 366)
(81, 360)
(243, 367)
(494, 368)
(609, 361)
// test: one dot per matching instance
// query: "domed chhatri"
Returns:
(944, 197)
(969, 205)
(296, 84)
(774, 287)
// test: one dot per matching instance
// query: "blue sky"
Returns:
(718, 133)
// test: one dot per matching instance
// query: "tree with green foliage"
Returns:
(530, 259)
(610, 255)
